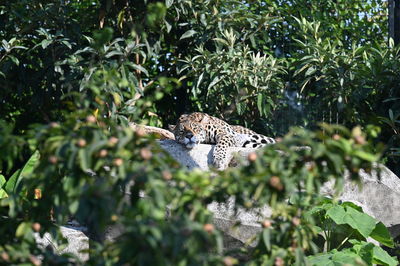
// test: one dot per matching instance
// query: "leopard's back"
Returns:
(242, 130)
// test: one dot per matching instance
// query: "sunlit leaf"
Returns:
(188, 34)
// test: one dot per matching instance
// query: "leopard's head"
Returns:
(189, 129)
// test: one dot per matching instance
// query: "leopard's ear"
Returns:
(205, 119)
(171, 127)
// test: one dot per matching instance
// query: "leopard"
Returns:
(195, 128)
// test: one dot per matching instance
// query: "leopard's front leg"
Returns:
(221, 157)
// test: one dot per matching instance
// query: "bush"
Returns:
(72, 82)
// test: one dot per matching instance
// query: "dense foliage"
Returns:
(73, 74)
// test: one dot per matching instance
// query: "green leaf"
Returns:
(260, 102)
(337, 214)
(3, 193)
(84, 159)
(73, 206)
(266, 235)
(45, 43)
(364, 250)
(214, 82)
(169, 27)
(241, 107)
(22, 229)
(347, 257)
(221, 41)
(114, 52)
(365, 156)
(66, 43)
(28, 168)
(321, 259)
(357, 220)
(351, 205)
(168, 3)
(382, 235)
(140, 68)
(362, 222)
(188, 34)
(6, 46)
(336, 258)
(381, 257)
(310, 71)
(120, 20)
(14, 59)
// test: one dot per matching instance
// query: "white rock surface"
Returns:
(200, 156)
(78, 242)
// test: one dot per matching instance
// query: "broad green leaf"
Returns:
(322, 259)
(362, 222)
(336, 258)
(364, 250)
(347, 258)
(28, 168)
(337, 214)
(381, 257)
(376, 254)
(357, 220)
(381, 234)
(351, 205)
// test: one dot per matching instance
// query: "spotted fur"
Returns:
(195, 128)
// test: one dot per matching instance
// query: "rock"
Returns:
(379, 195)
(201, 155)
(78, 242)
(226, 220)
